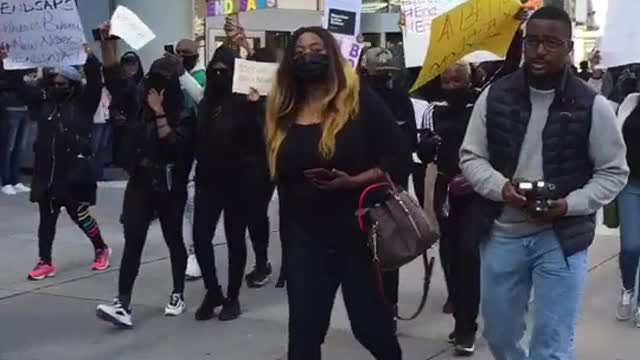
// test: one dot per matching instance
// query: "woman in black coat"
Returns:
(63, 174)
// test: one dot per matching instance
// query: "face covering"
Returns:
(221, 82)
(312, 68)
(190, 62)
(455, 96)
(59, 94)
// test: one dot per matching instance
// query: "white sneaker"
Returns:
(8, 190)
(176, 305)
(193, 269)
(625, 309)
(115, 314)
(636, 318)
(21, 188)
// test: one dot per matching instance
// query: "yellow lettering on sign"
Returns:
(228, 6)
(472, 26)
(251, 5)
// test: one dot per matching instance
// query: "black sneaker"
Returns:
(230, 310)
(212, 300)
(451, 339)
(259, 276)
(465, 345)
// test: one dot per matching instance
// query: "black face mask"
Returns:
(60, 94)
(220, 81)
(190, 62)
(312, 67)
(383, 81)
(456, 96)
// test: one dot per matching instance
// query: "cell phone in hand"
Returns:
(97, 36)
(170, 49)
(320, 174)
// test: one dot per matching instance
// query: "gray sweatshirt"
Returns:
(606, 150)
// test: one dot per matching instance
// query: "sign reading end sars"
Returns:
(41, 33)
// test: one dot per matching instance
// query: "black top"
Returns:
(371, 139)
(630, 129)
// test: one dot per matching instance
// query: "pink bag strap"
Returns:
(363, 196)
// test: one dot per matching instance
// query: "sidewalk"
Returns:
(54, 319)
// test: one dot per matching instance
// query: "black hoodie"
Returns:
(229, 136)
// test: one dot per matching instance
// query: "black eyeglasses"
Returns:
(549, 43)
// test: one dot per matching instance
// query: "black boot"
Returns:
(212, 300)
(230, 310)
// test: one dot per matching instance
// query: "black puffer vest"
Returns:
(565, 148)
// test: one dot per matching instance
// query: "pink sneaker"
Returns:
(101, 261)
(41, 271)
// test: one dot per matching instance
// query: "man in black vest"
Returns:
(539, 123)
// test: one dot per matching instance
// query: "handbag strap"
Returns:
(363, 196)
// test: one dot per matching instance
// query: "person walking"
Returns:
(447, 122)
(229, 136)
(62, 175)
(101, 132)
(328, 137)
(542, 128)
(158, 137)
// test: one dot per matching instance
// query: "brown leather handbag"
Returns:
(399, 231)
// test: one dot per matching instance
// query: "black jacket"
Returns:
(141, 151)
(65, 131)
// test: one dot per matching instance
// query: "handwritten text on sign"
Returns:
(41, 33)
(350, 48)
(474, 25)
(418, 14)
(252, 74)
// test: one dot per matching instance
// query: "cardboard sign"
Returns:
(227, 7)
(41, 33)
(342, 16)
(474, 25)
(350, 48)
(252, 74)
(128, 26)
(619, 44)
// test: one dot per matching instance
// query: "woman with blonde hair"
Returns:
(327, 139)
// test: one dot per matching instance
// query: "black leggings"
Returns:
(210, 201)
(79, 213)
(314, 274)
(259, 227)
(140, 206)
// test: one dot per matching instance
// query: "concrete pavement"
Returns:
(54, 319)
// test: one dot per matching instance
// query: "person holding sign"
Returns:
(228, 138)
(64, 175)
(158, 132)
(544, 153)
(328, 138)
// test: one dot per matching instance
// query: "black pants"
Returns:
(464, 266)
(418, 175)
(140, 206)
(210, 201)
(259, 227)
(314, 274)
(79, 213)
(445, 244)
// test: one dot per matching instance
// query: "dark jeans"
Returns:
(101, 140)
(14, 124)
(259, 227)
(418, 175)
(79, 213)
(210, 201)
(445, 244)
(314, 273)
(141, 205)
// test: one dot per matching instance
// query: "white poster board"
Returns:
(418, 16)
(342, 18)
(128, 26)
(41, 33)
(252, 74)
(620, 44)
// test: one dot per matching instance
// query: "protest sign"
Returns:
(620, 44)
(41, 33)
(474, 25)
(128, 26)
(342, 18)
(227, 7)
(253, 74)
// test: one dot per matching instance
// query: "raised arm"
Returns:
(93, 90)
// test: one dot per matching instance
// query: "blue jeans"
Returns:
(101, 138)
(509, 269)
(13, 132)
(629, 210)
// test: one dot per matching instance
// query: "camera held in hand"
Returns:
(539, 195)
